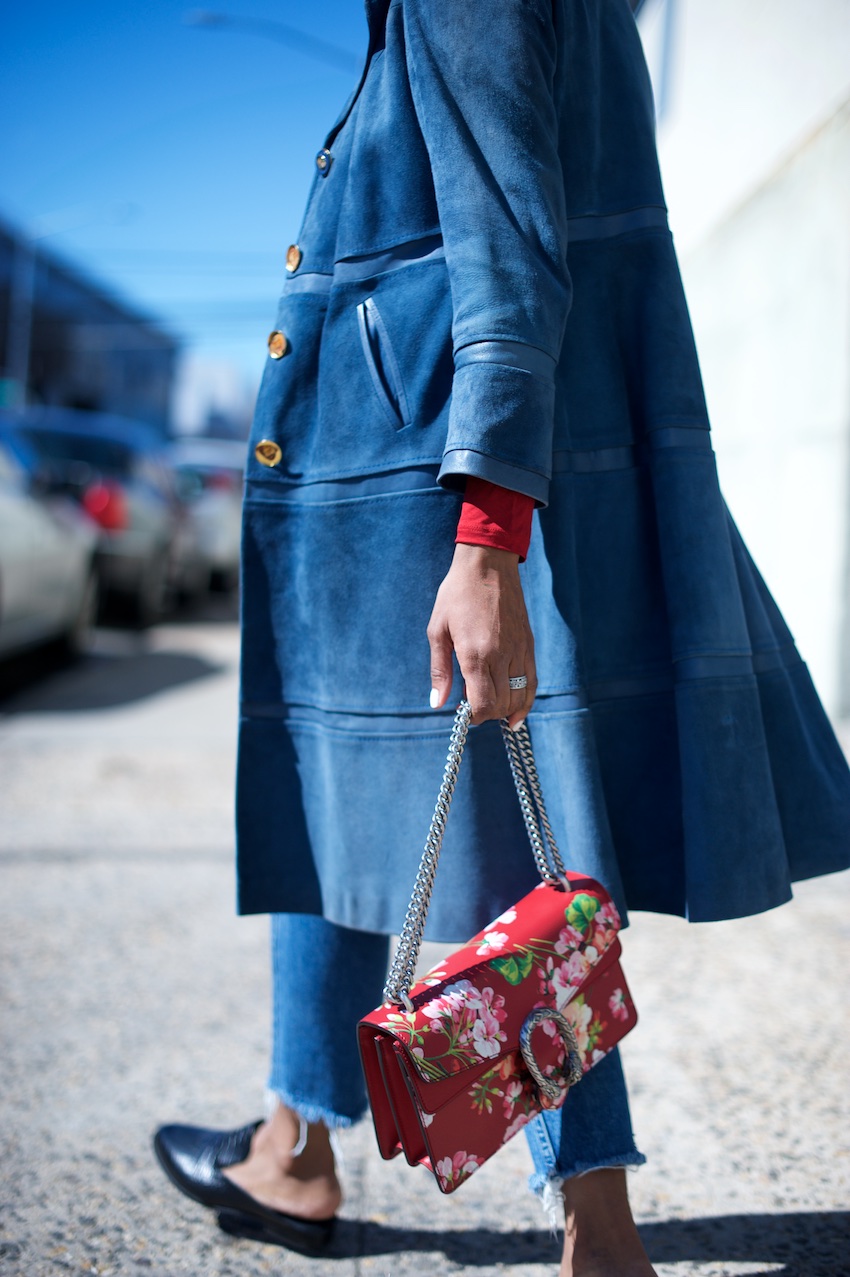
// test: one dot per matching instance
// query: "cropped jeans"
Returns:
(325, 978)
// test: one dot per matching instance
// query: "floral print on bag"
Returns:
(462, 1082)
(452, 1171)
(463, 1024)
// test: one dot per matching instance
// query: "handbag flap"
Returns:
(469, 1010)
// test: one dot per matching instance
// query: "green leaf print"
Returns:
(581, 911)
(514, 968)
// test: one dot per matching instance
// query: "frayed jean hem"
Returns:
(539, 1181)
(548, 1186)
(592, 1131)
(311, 1112)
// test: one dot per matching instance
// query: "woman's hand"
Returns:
(479, 613)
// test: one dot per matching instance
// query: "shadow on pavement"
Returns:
(101, 681)
(807, 1244)
(118, 671)
(473, 1248)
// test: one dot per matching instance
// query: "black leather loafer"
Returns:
(193, 1157)
(306, 1236)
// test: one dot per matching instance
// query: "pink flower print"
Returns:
(577, 966)
(435, 976)
(562, 985)
(617, 1005)
(513, 1093)
(451, 1170)
(609, 916)
(547, 974)
(508, 916)
(449, 1005)
(507, 1067)
(603, 937)
(567, 976)
(517, 1124)
(569, 939)
(605, 927)
(486, 1038)
(470, 1018)
(580, 1015)
(491, 942)
(487, 999)
(486, 1031)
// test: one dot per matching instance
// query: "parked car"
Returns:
(118, 471)
(210, 477)
(48, 578)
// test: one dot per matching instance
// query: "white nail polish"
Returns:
(516, 726)
(434, 698)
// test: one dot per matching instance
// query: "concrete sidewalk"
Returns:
(131, 995)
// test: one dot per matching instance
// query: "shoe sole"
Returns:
(252, 1228)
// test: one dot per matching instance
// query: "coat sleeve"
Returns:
(482, 76)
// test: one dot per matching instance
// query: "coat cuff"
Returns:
(501, 418)
(460, 463)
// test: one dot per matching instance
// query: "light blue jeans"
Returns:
(325, 978)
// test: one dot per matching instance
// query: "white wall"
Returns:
(755, 152)
(749, 81)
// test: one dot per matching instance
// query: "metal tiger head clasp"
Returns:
(550, 1089)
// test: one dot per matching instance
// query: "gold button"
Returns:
(323, 161)
(268, 452)
(293, 258)
(278, 344)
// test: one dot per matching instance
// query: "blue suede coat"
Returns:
(486, 284)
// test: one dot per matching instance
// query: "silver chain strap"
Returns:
(521, 758)
(527, 782)
(403, 969)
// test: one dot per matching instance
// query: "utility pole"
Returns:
(22, 285)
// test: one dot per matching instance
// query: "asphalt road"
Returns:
(130, 995)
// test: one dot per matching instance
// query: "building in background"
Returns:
(754, 137)
(64, 339)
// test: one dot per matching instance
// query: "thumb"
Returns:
(442, 673)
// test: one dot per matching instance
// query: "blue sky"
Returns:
(170, 161)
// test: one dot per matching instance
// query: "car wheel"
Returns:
(224, 580)
(77, 639)
(151, 597)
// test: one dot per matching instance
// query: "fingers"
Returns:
(479, 618)
(487, 679)
(480, 688)
(439, 640)
(522, 699)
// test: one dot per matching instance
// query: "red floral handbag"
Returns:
(459, 1062)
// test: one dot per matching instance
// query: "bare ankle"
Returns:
(290, 1167)
(600, 1235)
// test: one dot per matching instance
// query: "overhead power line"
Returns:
(311, 46)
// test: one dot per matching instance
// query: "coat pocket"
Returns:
(382, 364)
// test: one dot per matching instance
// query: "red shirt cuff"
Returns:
(496, 517)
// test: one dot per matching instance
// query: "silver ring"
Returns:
(518, 683)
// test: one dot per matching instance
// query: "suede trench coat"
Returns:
(484, 283)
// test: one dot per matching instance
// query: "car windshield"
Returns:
(109, 456)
